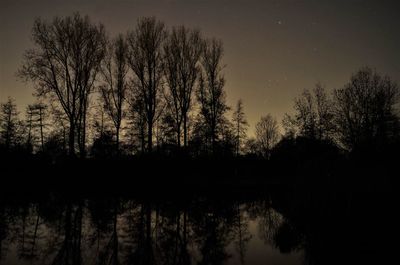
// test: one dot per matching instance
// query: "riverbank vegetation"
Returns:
(153, 101)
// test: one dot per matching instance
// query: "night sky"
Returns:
(273, 49)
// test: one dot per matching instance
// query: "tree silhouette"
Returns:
(64, 65)
(146, 61)
(365, 109)
(251, 147)
(210, 92)
(113, 90)
(240, 123)
(9, 124)
(182, 53)
(104, 146)
(36, 114)
(313, 117)
(267, 134)
(137, 121)
(60, 123)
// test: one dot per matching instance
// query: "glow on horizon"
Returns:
(273, 49)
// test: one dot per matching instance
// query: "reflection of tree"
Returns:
(70, 249)
(213, 233)
(275, 229)
(268, 219)
(105, 221)
(4, 227)
(173, 237)
(242, 233)
(137, 235)
(116, 231)
(29, 234)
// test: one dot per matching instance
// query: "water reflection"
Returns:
(126, 231)
(279, 228)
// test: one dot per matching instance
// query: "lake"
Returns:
(268, 228)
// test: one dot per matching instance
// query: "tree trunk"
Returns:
(83, 136)
(71, 139)
(64, 140)
(178, 131)
(8, 133)
(117, 143)
(150, 137)
(142, 138)
(185, 130)
(30, 128)
(41, 127)
(238, 138)
(213, 142)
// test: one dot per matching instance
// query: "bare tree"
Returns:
(146, 61)
(113, 89)
(64, 65)
(100, 123)
(306, 116)
(251, 146)
(60, 120)
(365, 109)
(182, 54)
(36, 114)
(240, 123)
(313, 116)
(166, 128)
(210, 93)
(267, 134)
(325, 114)
(137, 121)
(30, 126)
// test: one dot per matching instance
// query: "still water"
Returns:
(57, 230)
(126, 231)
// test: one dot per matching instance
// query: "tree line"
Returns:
(160, 89)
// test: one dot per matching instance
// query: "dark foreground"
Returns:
(156, 210)
(228, 220)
